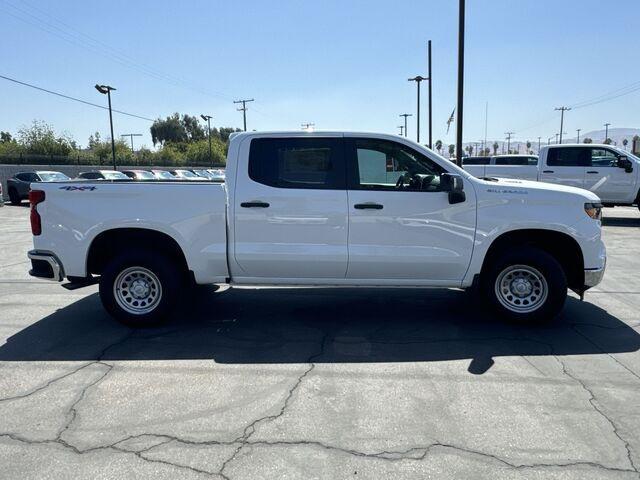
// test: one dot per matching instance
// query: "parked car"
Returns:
(216, 174)
(184, 174)
(103, 175)
(140, 175)
(609, 172)
(1, 196)
(18, 186)
(503, 166)
(203, 173)
(163, 175)
(320, 209)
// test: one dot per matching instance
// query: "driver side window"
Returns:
(385, 165)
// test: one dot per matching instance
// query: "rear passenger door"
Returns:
(566, 166)
(610, 182)
(290, 208)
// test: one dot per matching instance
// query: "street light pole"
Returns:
(539, 144)
(418, 79)
(461, 13)
(578, 140)
(207, 118)
(508, 134)
(401, 127)
(430, 100)
(405, 115)
(606, 131)
(106, 89)
(243, 109)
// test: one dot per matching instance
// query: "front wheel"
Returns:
(139, 288)
(526, 285)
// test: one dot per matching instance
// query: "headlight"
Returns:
(594, 210)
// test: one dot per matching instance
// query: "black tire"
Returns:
(520, 268)
(14, 198)
(163, 270)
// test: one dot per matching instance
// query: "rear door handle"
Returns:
(254, 204)
(372, 206)
(592, 171)
(547, 171)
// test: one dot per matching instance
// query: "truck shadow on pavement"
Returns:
(263, 326)
(621, 221)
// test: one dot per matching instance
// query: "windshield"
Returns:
(145, 175)
(187, 174)
(53, 177)
(164, 175)
(115, 176)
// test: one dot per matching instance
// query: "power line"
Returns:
(74, 99)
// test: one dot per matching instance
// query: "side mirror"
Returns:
(624, 162)
(452, 183)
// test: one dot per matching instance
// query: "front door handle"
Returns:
(254, 204)
(592, 171)
(372, 206)
(547, 171)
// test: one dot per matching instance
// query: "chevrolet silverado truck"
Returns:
(607, 171)
(321, 209)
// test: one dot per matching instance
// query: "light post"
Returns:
(549, 140)
(578, 139)
(401, 127)
(418, 79)
(459, 123)
(562, 110)
(106, 90)
(539, 144)
(606, 132)
(207, 118)
(405, 115)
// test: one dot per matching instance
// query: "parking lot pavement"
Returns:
(319, 383)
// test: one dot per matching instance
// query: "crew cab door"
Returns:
(607, 180)
(401, 225)
(516, 166)
(290, 205)
(566, 166)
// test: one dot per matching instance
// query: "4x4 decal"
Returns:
(72, 188)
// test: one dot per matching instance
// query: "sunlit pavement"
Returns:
(319, 383)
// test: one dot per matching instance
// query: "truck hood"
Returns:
(546, 187)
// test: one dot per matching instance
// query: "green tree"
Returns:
(5, 137)
(528, 146)
(608, 141)
(438, 145)
(625, 142)
(40, 138)
(177, 129)
(101, 150)
(587, 140)
(495, 148)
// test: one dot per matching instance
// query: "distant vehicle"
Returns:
(140, 175)
(526, 166)
(609, 172)
(184, 174)
(103, 175)
(163, 175)
(1, 198)
(202, 173)
(19, 185)
(217, 174)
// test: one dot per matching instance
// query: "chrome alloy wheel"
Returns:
(137, 290)
(521, 289)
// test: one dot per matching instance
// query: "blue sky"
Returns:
(340, 64)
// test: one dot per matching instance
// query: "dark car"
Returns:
(103, 175)
(18, 186)
(140, 175)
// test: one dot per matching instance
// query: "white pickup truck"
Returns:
(321, 209)
(607, 171)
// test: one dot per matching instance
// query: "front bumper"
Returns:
(593, 276)
(45, 265)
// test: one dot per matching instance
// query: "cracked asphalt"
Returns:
(319, 383)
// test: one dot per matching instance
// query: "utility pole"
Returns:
(539, 144)
(243, 109)
(430, 98)
(562, 110)
(486, 121)
(401, 127)
(106, 90)
(207, 118)
(405, 115)
(418, 79)
(606, 131)
(557, 138)
(131, 135)
(578, 140)
(459, 123)
(307, 126)
(508, 134)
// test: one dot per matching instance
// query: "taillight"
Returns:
(35, 197)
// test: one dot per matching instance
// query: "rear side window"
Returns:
(516, 161)
(476, 161)
(316, 163)
(569, 157)
(23, 176)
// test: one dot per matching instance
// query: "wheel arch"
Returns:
(110, 242)
(564, 248)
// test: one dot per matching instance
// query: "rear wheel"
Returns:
(526, 285)
(14, 198)
(140, 288)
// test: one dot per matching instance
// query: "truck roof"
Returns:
(564, 145)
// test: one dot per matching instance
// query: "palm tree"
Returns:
(625, 142)
(528, 146)
(452, 149)
(587, 140)
(438, 145)
(495, 148)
